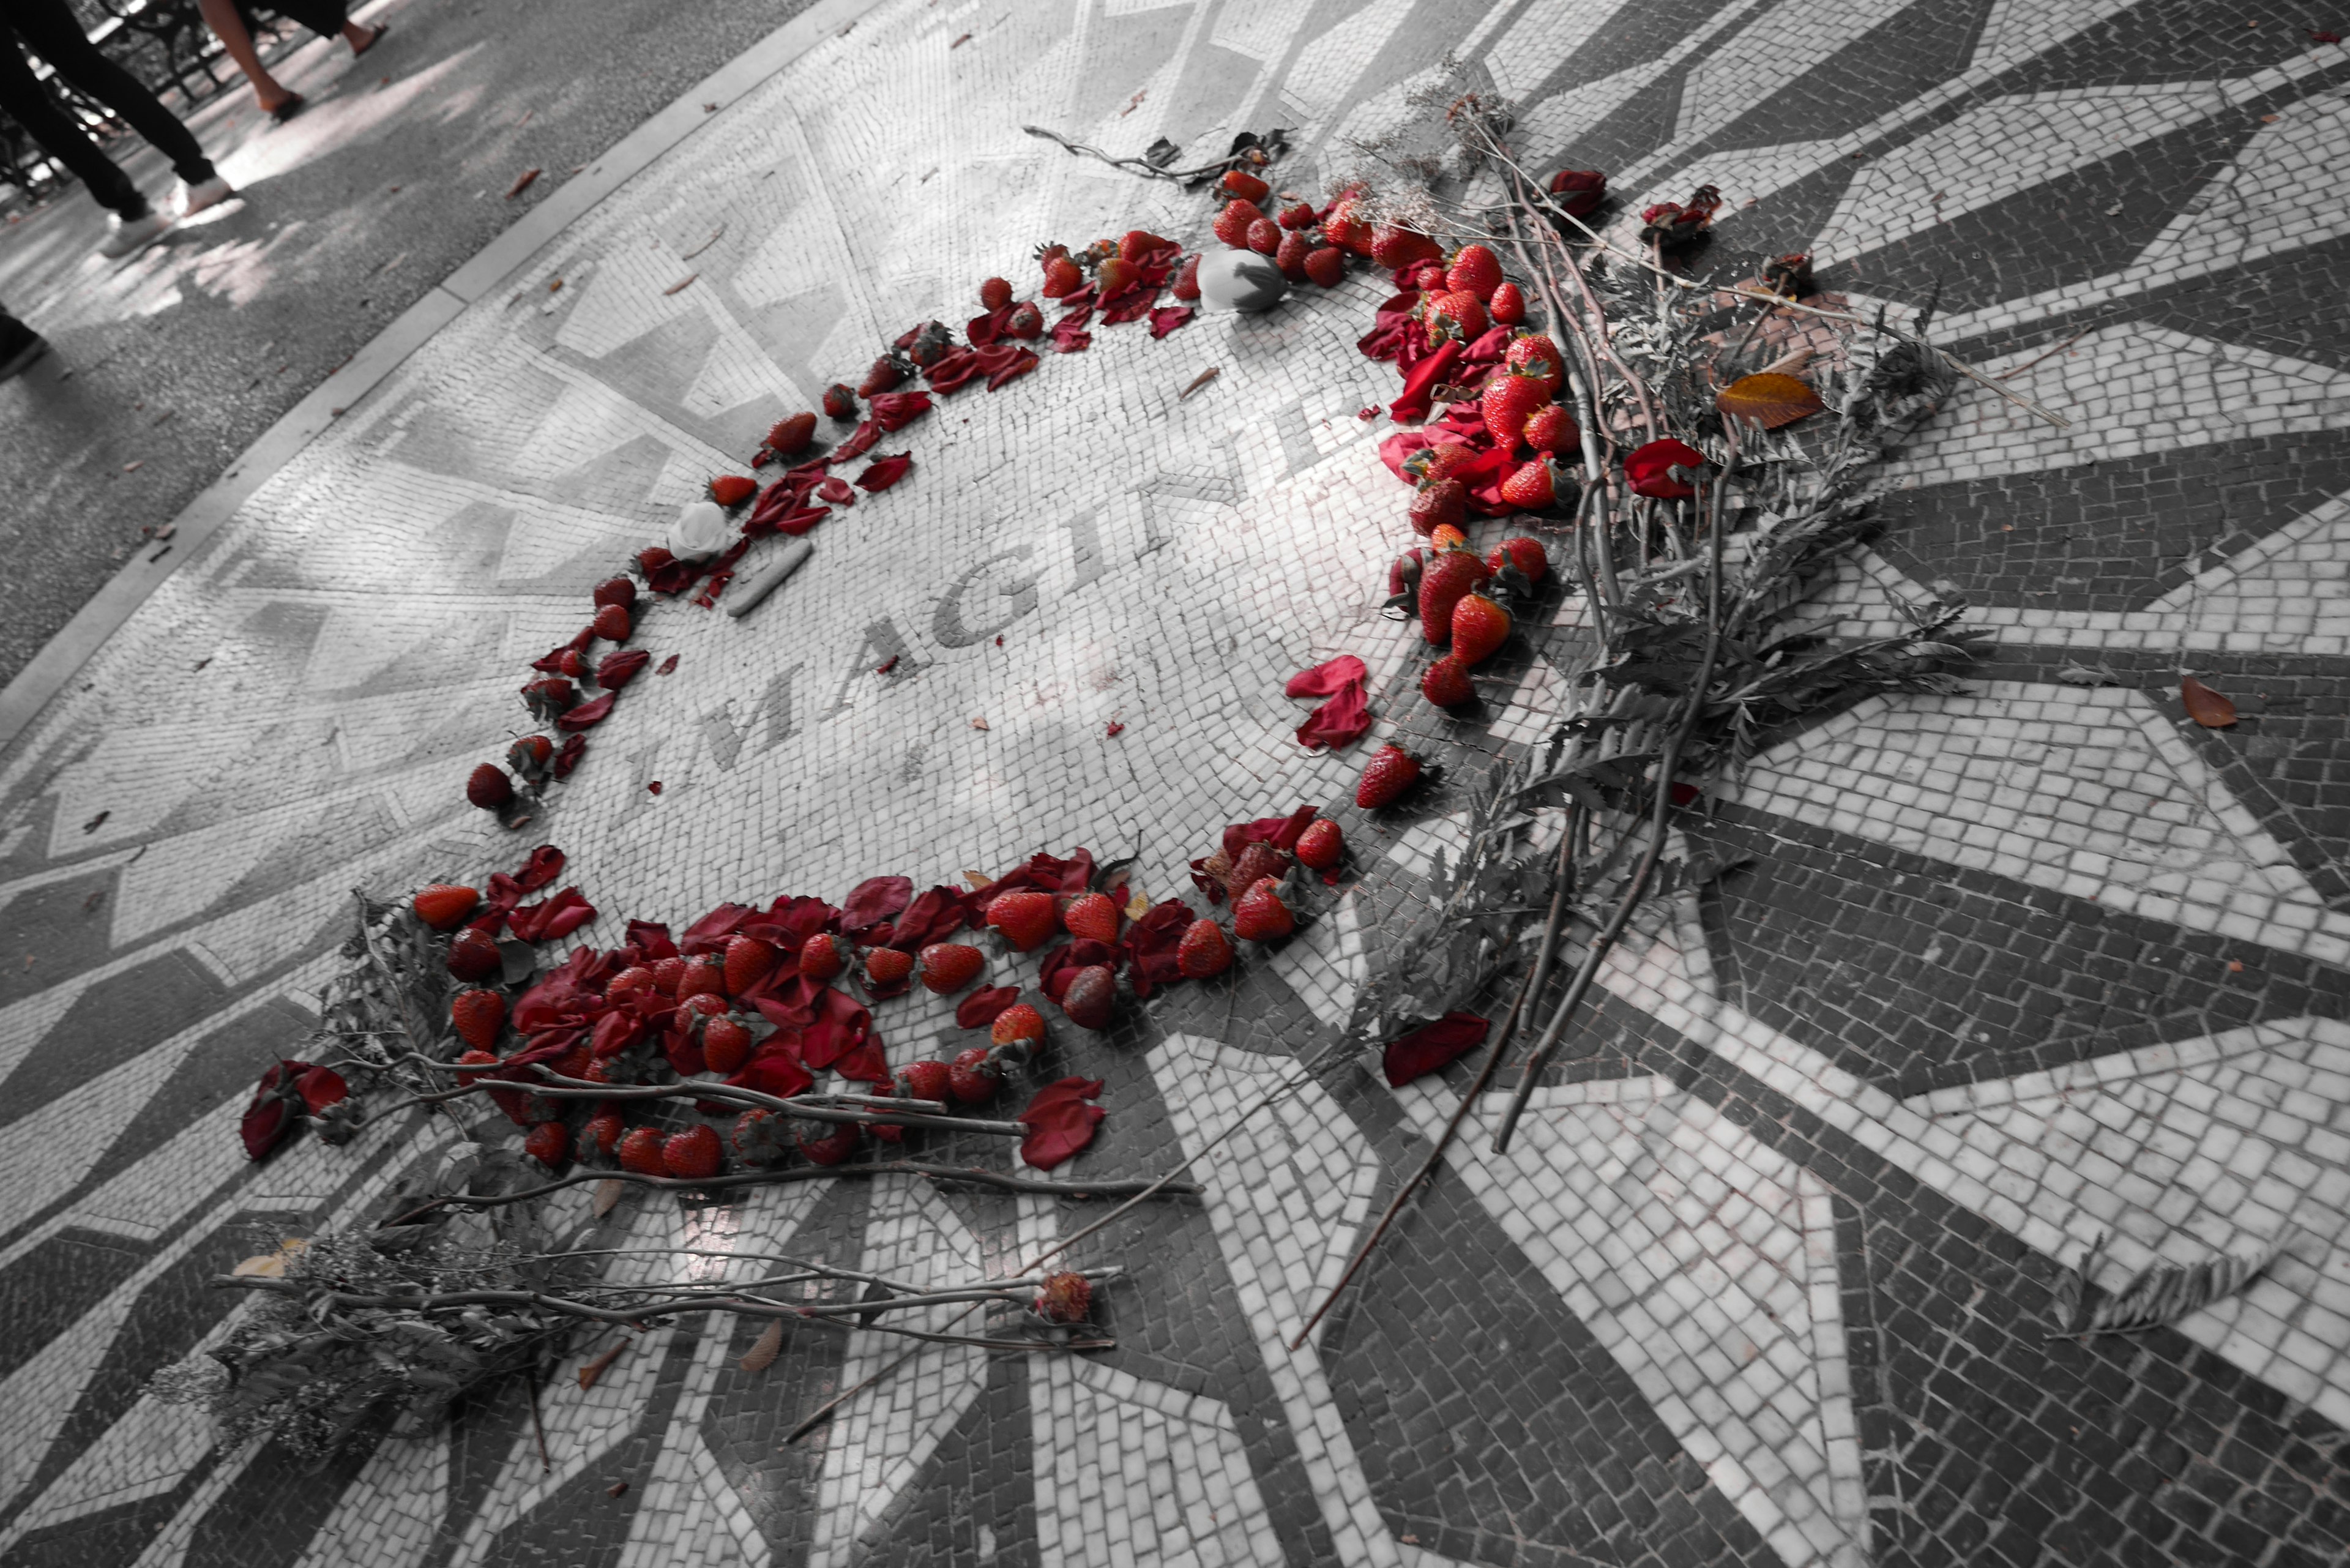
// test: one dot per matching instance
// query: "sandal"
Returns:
(373, 39)
(293, 105)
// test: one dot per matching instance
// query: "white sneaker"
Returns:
(126, 238)
(212, 193)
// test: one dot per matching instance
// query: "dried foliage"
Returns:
(2157, 1294)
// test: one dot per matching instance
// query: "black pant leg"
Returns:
(324, 18)
(54, 34)
(25, 100)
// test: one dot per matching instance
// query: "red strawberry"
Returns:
(1204, 951)
(1389, 773)
(696, 1154)
(1441, 582)
(726, 1046)
(1232, 223)
(1396, 247)
(1530, 486)
(923, 1080)
(1065, 1298)
(887, 967)
(669, 973)
(1445, 537)
(1116, 277)
(1321, 844)
(612, 624)
(1446, 682)
(1092, 993)
(641, 1151)
(1026, 919)
(550, 697)
(975, 1076)
(621, 591)
(1018, 1024)
(549, 1143)
(1260, 915)
(1326, 266)
(1508, 307)
(1061, 277)
(478, 1015)
(474, 956)
(1257, 861)
(488, 787)
(703, 975)
(1186, 280)
(789, 438)
(947, 967)
(748, 961)
(759, 1137)
(1507, 403)
(1444, 504)
(1535, 354)
(1141, 243)
(822, 957)
(701, 1006)
(1297, 216)
(1264, 236)
(1552, 429)
(1442, 459)
(602, 1132)
(1527, 555)
(444, 906)
(884, 375)
(1456, 312)
(994, 294)
(1344, 229)
(530, 756)
(1290, 255)
(1244, 186)
(825, 1143)
(1479, 627)
(733, 489)
(1091, 915)
(839, 402)
(474, 1058)
(1026, 323)
(1476, 270)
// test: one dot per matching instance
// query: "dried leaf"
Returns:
(608, 1194)
(761, 1355)
(2097, 674)
(680, 284)
(1137, 906)
(2205, 706)
(1769, 399)
(596, 1368)
(1789, 366)
(270, 1265)
(2161, 1295)
(978, 879)
(522, 183)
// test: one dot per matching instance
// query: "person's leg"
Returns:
(24, 100)
(53, 34)
(228, 26)
(328, 18)
(19, 344)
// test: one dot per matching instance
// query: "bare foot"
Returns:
(275, 99)
(363, 39)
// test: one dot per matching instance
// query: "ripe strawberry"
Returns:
(1445, 537)
(1186, 280)
(975, 1076)
(703, 975)
(1264, 236)
(1552, 429)
(1476, 269)
(444, 906)
(1527, 555)
(789, 438)
(549, 1143)
(1091, 994)
(1346, 230)
(1443, 504)
(726, 1046)
(476, 1057)
(1065, 1298)
(924, 1081)
(1260, 915)
(1026, 919)
(621, 591)
(1325, 266)
(824, 1143)
(1257, 862)
(1479, 627)
(1141, 243)
(994, 294)
(1204, 951)
(1507, 403)
(1321, 844)
(669, 973)
(1115, 276)
(612, 624)
(1508, 305)
(1232, 223)
(1441, 460)
(1290, 255)
(1296, 217)
(478, 1015)
(1442, 583)
(602, 1132)
(1091, 915)
(531, 755)
(1061, 277)
(488, 787)
(1535, 354)
(1530, 487)
(1026, 323)
(701, 1007)
(759, 1137)
(839, 402)
(641, 1151)
(474, 956)
(822, 957)
(550, 697)
(733, 489)
(887, 967)
(1244, 186)
(1018, 1024)
(885, 374)
(748, 961)
(695, 1155)
(1396, 247)
(947, 967)
(1457, 313)
(1389, 773)
(1446, 682)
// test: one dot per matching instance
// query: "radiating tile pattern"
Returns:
(1766, 1277)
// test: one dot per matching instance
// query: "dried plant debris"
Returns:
(2159, 1293)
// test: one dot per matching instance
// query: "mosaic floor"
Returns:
(1765, 1278)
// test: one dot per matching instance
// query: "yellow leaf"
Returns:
(595, 1369)
(1769, 399)
(607, 1193)
(271, 1265)
(761, 1355)
(2205, 706)
(977, 879)
(1137, 906)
